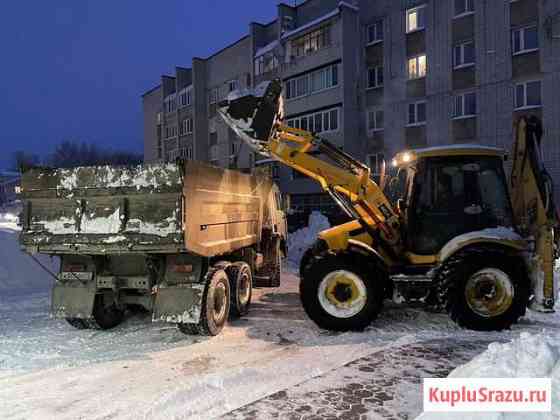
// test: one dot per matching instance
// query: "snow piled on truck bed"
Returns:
(140, 176)
(529, 356)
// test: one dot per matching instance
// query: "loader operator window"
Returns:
(456, 195)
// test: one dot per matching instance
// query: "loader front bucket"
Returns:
(252, 115)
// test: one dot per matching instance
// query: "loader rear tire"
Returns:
(241, 288)
(488, 291)
(340, 296)
(215, 306)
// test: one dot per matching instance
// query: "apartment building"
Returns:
(460, 71)
(374, 77)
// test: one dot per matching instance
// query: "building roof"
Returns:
(227, 47)
(151, 90)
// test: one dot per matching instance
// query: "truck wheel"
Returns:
(487, 292)
(106, 315)
(241, 287)
(215, 307)
(79, 324)
(340, 296)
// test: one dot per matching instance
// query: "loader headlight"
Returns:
(407, 157)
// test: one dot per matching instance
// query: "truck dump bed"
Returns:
(158, 208)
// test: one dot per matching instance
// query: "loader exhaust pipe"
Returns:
(252, 115)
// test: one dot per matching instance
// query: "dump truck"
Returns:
(184, 240)
(447, 230)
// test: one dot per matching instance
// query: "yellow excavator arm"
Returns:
(533, 207)
(256, 118)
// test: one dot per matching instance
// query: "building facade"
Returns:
(374, 77)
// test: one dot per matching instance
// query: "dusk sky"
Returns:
(76, 69)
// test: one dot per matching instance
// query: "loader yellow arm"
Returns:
(257, 120)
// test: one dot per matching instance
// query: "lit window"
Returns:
(375, 77)
(417, 113)
(417, 67)
(525, 40)
(528, 95)
(464, 7)
(375, 32)
(464, 105)
(464, 54)
(375, 120)
(416, 19)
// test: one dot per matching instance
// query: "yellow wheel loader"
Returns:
(443, 229)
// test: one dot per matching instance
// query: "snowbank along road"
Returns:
(275, 362)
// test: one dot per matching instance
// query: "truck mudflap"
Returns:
(179, 305)
(73, 301)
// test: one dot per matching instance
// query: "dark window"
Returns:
(455, 196)
(334, 119)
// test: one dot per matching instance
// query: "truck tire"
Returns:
(340, 296)
(487, 291)
(79, 324)
(215, 306)
(241, 288)
(105, 316)
(277, 268)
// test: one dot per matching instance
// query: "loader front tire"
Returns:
(215, 306)
(340, 296)
(487, 291)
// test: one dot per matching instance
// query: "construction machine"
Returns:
(442, 229)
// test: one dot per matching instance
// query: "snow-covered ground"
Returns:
(142, 370)
(528, 356)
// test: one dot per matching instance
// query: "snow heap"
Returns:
(529, 356)
(8, 220)
(301, 240)
(18, 272)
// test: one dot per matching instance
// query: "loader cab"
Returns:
(450, 191)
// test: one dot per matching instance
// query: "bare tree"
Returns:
(22, 160)
(73, 153)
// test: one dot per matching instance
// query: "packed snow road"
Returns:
(274, 362)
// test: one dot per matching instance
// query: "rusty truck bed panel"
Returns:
(223, 209)
(148, 209)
